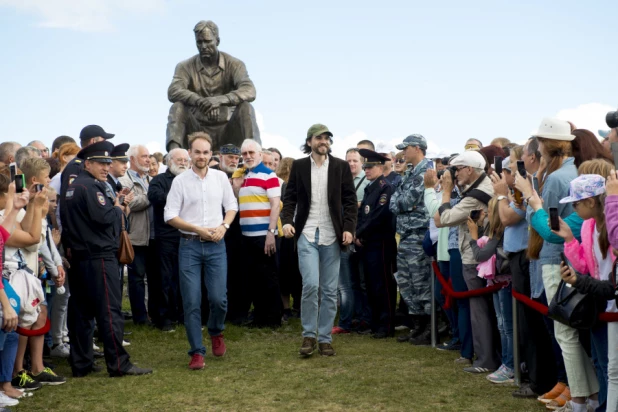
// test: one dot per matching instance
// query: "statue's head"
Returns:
(207, 38)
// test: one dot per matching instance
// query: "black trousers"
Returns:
(238, 296)
(145, 266)
(95, 294)
(263, 282)
(170, 305)
(534, 341)
(290, 279)
(376, 258)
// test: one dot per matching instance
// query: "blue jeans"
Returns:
(202, 262)
(319, 267)
(599, 348)
(441, 299)
(503, 304)
(463, 305)
(7, 356)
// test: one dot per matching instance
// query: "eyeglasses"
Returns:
(400, 161)
(472, 147)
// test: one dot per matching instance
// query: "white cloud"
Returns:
(82, 15)
(589, 116)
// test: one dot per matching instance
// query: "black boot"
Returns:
(423, 337)
(414, 324)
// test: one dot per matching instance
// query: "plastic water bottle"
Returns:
(61, 290)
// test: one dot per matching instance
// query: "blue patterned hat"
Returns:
(584, 187)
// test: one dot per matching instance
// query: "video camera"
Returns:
(612, 119)
(451, 169)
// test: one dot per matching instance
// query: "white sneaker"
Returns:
(95, 347)
(125, 343)
(61, 351)
(7, 400)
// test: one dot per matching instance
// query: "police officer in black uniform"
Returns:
(375, 233)
(92, 226)
(89, 135)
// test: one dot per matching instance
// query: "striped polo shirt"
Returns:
(260, 185)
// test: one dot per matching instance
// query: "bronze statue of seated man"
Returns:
(211, 92)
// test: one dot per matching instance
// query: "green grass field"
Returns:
(263, 372)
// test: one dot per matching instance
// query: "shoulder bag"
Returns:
(126, 254)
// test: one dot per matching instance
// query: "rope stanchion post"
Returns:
(516, 354)
(433, 309)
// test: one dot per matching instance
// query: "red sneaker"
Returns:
(218, 345)
(336, 330)
(197, 362)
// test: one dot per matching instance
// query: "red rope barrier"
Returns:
(542, 309)
(449, 293)
(446, 286)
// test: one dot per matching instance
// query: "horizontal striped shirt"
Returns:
(261, 184)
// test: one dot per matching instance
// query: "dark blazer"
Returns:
(341, 196)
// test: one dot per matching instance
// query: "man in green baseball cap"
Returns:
(318, 131)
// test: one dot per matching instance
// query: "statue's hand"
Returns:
(213, 114)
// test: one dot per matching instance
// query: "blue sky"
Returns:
(449, 70)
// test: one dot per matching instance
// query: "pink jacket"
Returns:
(611, 219)
(487, 269)
(581, 256)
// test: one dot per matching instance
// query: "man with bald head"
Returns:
(7, 152)
(42, 148)
(168, 239)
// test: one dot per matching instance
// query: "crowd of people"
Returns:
(246, 236)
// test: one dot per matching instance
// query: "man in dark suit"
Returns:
(321, 192)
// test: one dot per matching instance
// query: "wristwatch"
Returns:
(273, 231)
(226, 226)
(501, 197)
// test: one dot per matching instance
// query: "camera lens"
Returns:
(612, 119)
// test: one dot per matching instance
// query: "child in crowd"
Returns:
(10, 204)
(489, 249)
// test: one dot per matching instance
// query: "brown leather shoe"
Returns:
(326, 349)
(308, 347)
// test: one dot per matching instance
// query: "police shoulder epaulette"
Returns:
(78, 161)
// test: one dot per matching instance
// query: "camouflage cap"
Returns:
(318, 129)
(413, 140)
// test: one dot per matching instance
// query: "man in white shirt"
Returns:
(194, 206)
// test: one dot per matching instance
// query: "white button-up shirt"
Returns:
(199, 201)
(319, 213)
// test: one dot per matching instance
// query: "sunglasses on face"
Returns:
(472, 147)
(400, 161)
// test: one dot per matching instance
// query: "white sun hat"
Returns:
(555, 129)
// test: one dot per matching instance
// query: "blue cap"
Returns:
(229, 149)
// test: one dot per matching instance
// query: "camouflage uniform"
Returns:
(413, 271)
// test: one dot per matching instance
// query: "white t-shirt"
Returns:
(605, 267)
(13, 256)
